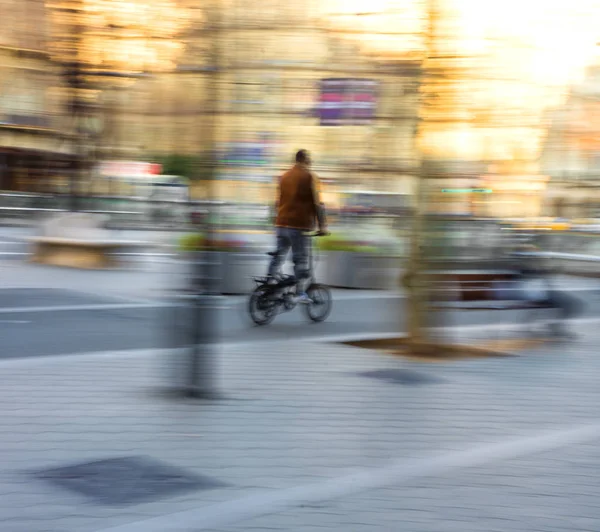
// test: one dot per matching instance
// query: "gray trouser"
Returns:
(297, 240)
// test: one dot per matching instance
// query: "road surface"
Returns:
(52, 321)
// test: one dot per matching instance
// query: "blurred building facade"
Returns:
(33, 145)
(572, 152)
(252, 85)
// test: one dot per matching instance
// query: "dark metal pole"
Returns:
(207, 268)
(3, 170)
(73, 78)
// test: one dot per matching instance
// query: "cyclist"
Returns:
(298, 208)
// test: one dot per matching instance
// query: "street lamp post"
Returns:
(83, 131)
(200, 382)
(76, 108)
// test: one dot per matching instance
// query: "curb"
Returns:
(327, 340)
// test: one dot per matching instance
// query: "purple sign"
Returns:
(347, 101)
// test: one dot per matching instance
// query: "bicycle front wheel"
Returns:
(319, 308)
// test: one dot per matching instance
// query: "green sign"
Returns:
(467, 190)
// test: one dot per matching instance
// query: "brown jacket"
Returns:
(298, 199)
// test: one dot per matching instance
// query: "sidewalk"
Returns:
(143, 281)
(308, 436)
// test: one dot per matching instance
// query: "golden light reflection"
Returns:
(120, 35)
(494, 70)
(522, 57)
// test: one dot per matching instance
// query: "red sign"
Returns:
(129, 168)
(346, 101)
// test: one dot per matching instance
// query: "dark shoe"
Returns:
(303, 299)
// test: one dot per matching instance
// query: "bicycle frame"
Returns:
(311, 259)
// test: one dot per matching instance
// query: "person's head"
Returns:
(303, 157)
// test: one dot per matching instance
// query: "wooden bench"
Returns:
(470, 286)
(77, 240)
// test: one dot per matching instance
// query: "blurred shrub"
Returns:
(191, 242)
(346, 243)
(190, 166)
(197, 242)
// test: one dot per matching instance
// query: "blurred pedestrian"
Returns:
(538, 287)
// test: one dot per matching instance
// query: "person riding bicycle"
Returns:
(298, 209)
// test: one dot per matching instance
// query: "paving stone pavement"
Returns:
(548, 492)
(304, 414)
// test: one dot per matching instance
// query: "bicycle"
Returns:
(268, 300)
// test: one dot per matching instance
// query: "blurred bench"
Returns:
(489, 291)
(77, 240)
(485, 291)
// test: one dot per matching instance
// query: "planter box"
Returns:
(239, 269)
(334, 268)
(344, 269)
(230, 273)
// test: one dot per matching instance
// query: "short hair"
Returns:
(301, 156)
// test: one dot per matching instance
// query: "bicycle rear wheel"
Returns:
(261, 307)
(321, 303)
